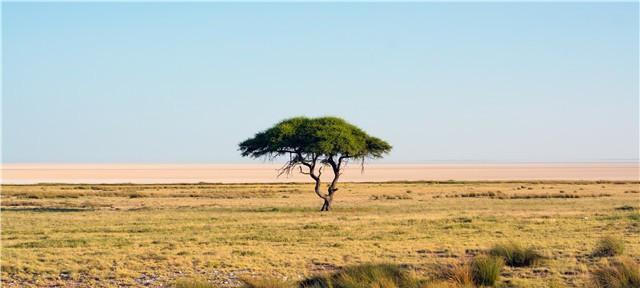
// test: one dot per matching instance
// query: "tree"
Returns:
(312, 144)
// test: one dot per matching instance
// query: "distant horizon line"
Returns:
(275, 162)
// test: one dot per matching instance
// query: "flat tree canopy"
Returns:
(313, 143)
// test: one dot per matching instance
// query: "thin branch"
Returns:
(302, 172)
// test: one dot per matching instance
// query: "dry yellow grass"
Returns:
(110, 235)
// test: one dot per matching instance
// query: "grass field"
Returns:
(153, 235)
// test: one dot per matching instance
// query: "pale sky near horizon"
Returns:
(185, 83)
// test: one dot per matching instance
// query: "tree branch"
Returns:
(302, 172)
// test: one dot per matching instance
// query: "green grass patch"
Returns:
(485, 270)
(516, 255)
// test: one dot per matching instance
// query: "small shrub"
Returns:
(192, 283)
(515, 255)
(485, 270)
(609, 246)
(622, 273)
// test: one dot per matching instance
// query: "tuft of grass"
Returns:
(609, 246)
(482, 270)
(458, 275)
(320, 281)
(516, 255)
(621, 273)
(192, 283)
(266, 283)
(485, 270)
(375, 275)
(366, 276)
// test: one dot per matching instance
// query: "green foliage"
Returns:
(485, 270)
(622, 273)
(320, 136)
(515, 255)
(609, 246)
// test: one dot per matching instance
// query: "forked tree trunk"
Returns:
(332, 189)
(327, 204)
(327, 198)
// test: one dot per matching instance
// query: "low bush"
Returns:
(516, 255)
(609, 246)
(621, 273)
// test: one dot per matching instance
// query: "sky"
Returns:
(442, 82)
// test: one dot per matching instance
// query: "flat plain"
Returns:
(89, 235)
(16, 173)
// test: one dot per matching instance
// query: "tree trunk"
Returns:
(326, 198)
(317, 188)
(332, 189)
(327, 204)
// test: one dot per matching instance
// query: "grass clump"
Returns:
(482, 270)
(622, 273)
(457, 275)
(192, 283)
(485, 270)
(516, 255)
(265, 283)
(366, 276)
(609, 246)
(375, 275)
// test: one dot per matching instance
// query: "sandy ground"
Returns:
(259, 173)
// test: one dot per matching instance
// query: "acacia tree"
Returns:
(312, 144)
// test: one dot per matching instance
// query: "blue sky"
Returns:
(185, 83)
